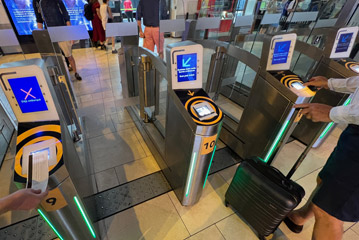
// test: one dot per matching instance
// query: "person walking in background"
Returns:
(98, 31)
(55, 14)
(148, 10)
(106, 15)
(128, 10)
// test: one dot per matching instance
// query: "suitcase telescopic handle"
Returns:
(305, 152)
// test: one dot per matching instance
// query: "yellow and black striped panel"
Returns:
(198, 99)
(289, 79)
(286, 77)
(34, 132)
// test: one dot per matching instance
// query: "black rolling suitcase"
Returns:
(262, 195)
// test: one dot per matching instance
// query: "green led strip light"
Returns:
(330, 125)
(85, 217)
(276, 141)
(189, 181)
(50, 224)
(214, 150)
(210, 163)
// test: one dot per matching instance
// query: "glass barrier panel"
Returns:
(10, 51)
(328, 17)
(82, 60)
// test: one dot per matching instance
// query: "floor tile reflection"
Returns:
(114, 149)
(154, 219)
(210, 209)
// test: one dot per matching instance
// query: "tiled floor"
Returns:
(119, 154)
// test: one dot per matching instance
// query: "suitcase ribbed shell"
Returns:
(262, 195)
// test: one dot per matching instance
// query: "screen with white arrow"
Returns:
(187, 67)
(28, 94)
(344, 42)
(281, 51)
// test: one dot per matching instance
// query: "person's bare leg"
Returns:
(303, 214)
(113, 44)
(326, 227)
(73, 63)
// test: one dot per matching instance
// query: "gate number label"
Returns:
(54, 201)
(208, 144)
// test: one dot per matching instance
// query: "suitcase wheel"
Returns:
(226, 203)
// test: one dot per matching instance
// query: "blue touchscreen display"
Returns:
(28, 94)
(23, 15)
(344, 42)
(187, 67)
(281, 51)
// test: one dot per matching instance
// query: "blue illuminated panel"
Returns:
(23, 15)
(281, 51)
(28, 94)
(344, 42)
(187, 67)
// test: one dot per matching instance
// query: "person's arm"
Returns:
(24, 199)
(345, 114)
(98, 13)
(343, 85)
(346, 85)
(318, 112)
(291, 6)
(64, 12)
(138, 18)
(340, 114)
(39, 20)
(163, 10)
(109, 12)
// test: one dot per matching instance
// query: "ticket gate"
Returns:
(269, 118)
(45, 154)
(334, 64)
(193, 123)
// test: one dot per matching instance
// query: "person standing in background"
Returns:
(149, 10)
(128, 10)
(106, 15)
(54, 13)
(98, 31)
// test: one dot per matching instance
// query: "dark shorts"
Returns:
(338, 194)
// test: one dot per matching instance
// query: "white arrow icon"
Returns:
(185, 64)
